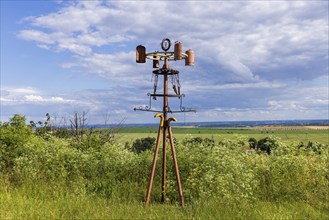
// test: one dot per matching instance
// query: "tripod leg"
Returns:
(164, 165)
(180, 191)
(155, 157)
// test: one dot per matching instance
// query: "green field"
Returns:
(25, 204)
(48, 175)
(298, 135)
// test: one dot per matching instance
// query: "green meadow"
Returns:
(296, 135)
(54, 174)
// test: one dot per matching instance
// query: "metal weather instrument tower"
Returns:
(164, 125)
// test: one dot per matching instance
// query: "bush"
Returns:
(14, 134)
(267, 144)
(143, 144)
(219, 172)
(224, 171)
(252, 143)
(311, 146)
(198, 141)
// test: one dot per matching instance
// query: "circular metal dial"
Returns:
(165, 44)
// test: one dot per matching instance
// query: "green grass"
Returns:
(22, 203)
(52, 178)
(321, 136)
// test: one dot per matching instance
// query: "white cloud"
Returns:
(321, 101)
(194, 87)
(274, 104)
(18, 90)
(75, 48)
(74, 17)
(37, 99)
(44, 46)
(241, 38)
(253, 58)
(29, 95)
(36, 35)
(34, 98)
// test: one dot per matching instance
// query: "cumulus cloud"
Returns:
(36, 35)
(258, 57)
(28, 95)
(243, 38)
(31, 101)
(37, 99)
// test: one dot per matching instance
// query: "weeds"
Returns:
(58, 177)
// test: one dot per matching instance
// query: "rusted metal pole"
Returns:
(164, 162)
(155, 157)
(180, 190)
(165, 110)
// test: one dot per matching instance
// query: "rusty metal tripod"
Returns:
(164, 125)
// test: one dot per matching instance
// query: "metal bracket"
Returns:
(148, 108)
(182, 108)
(162, 55)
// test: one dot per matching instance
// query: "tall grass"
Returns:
(25, 203)
(54, 178)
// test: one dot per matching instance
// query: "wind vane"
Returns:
(164, 125)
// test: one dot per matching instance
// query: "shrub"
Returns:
(143, 144)
(220, 172)
(14, 134)
(311, 146)
(267, 144)
(198, 141)
(252, 143)
(224, 171)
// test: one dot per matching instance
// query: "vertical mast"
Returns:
(165, 109)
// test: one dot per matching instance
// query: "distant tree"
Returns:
(252, 143)
(198, 140)
(266, 144)
(78, 124)
(17, 121)
(143, 144)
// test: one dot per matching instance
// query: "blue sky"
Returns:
(255, 60)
